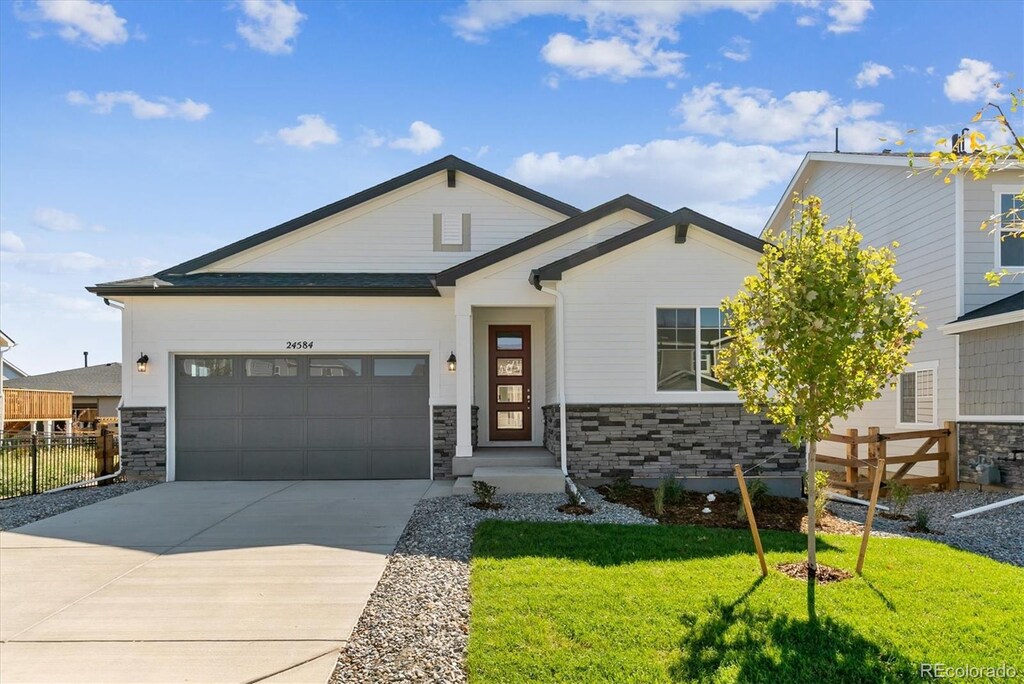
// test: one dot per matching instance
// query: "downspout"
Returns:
(560, 370)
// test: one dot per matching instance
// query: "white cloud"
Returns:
(871, 73)
(63, 262)
(371, 138)
(802, 119)
(848, 15)
(270, 26)
(806, 20)
(422, 138)
(672, 173)
(59, 221)
(552, 81)
(737, 49)
(10, 242)
(82, 22)
(82, 307)
(312, 130)
(141, 108)
(974, 81)
(624, 38)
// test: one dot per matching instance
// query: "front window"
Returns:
(688, 344)
(917, 397)
(1010, 247)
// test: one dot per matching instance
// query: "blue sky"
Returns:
(136, 135)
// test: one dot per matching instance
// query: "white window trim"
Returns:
(684, 396)
(933, 366)
(998, 191)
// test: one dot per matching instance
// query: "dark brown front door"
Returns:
(509, 381)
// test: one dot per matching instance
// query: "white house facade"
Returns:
(968, 367)
(403, 331)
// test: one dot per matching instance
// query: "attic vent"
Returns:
(451, 232)
(451, 229)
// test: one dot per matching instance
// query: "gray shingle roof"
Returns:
(406, 284)
(1014, 302)
(92, 381)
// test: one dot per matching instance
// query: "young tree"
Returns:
(819, 331)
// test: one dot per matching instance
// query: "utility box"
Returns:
(988, 473)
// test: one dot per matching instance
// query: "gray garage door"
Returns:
(292, 417)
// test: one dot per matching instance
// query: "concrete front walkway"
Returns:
(197, 582)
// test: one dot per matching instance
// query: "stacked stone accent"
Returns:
(652, 441)
(1000, 443)
(144, 443)
(445, 439)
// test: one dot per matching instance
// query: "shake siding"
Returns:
(992, 371)
(395, 233)
(609, 306)
(919, 213)
(979, 245)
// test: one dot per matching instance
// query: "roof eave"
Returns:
(267, 291)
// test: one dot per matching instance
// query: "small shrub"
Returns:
(620, 488)
(484, 492)
(921, 519)
(757, 490)
(574, 497)
(821, 485)
(659, 498)
(673, 490)
(899, 496)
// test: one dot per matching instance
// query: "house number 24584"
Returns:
(303, 344)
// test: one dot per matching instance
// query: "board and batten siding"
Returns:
(980, 244)
(163, 326)
(610, 337)
(395, 232)
(918, 212)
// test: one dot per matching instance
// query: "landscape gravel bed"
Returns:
(998, 534)
(416, 623)
(25, 509)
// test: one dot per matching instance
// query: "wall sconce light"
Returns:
(143, 363)
(451, 362)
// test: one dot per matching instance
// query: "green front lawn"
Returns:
(610, 603)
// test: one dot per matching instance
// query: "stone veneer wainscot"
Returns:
(144, 443)
(445, 438)
(1002, 443)
(652, 441)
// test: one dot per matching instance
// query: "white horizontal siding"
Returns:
(980, 245)
(394, 233)
(609, 310)
(919, 213)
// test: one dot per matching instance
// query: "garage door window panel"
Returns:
(336, 368)
(271, 367)
(399, 367)
(207, 368)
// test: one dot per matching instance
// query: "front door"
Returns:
(509, 381)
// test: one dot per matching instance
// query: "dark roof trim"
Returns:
(1010, 304)
(271, 284)
(266, 291)
(449, 163)
(449, 276)
(682, 217)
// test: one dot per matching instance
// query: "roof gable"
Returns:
(680, 219)
(451, 164)
(449, 276)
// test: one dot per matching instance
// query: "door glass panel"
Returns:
(510, 394)
(510, 420)
(335, 368)
(510, 367)
(267, 367)
(510, 341)
(206, 368)
(397, 366)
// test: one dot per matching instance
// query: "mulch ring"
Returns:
(575, 509)
(825, 574)
(771, 512)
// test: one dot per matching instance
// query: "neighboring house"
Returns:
(94, 388)
(400, 332)
(12, 372)
(969, 365)
(5, 344)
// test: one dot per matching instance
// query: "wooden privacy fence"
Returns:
(937, 446)
(26, 404)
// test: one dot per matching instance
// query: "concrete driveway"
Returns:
(197, 582)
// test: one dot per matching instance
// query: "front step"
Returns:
(486, 458)
(515, 480)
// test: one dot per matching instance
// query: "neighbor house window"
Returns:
(1010, 242)
(916, 392)
(689, 341)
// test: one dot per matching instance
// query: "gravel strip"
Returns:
(998, 534)
(25, 509)
(415, 626)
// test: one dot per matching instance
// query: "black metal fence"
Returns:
(37, 463)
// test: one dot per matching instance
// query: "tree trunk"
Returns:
(812, 559)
